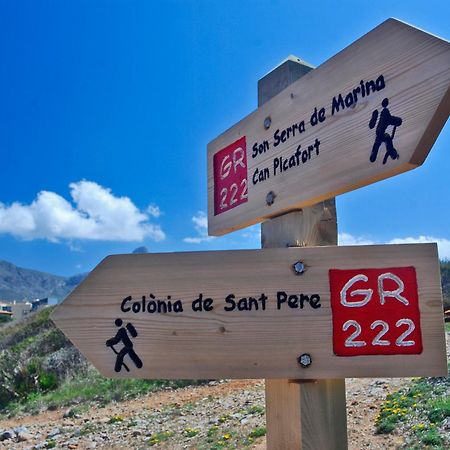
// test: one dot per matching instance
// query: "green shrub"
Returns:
(115, 419)
(386, 426)
(256, 409)
(431, 437)
(439, 409)
(48, 381)
(257, 432)
(157, 438)
(191, 432)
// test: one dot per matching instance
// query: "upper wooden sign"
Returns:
(372, 111)
(347, 312)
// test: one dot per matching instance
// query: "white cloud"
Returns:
(94, 214)
(348, 239)
(442, 243)
(154, 210)
(201, 226)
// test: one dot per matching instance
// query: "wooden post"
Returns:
(312, 414)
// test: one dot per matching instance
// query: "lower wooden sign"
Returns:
(317, 312)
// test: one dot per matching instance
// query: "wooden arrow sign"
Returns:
(370, 112)
(325, 312)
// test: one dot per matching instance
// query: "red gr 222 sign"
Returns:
(230, 176)
(375, 312)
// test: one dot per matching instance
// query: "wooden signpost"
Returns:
(303, 317)
(370, 112)
(317, 312)
(301, 414)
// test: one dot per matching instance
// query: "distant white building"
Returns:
(19, 310)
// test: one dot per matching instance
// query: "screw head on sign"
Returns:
(298, 267)
(270, 198)
(305, 360)
(267, 122)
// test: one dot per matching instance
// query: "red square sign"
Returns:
(230, 176)
(375, 311)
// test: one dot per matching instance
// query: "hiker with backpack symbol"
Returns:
(385, 120)
(122, 336)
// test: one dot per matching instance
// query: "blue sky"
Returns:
(106, 108)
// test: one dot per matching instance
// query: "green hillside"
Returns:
(40, 369)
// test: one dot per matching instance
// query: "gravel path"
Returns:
(218, 415)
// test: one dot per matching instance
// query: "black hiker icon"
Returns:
(386, 120)
(122, 336)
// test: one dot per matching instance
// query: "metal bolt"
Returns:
(270, 198)
(298, 267)
(305, 360)
(267, 122)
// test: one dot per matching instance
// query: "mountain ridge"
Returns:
(19, 283)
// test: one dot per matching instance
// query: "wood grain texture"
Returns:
(302, 414)
(311, 226)
(307, 416)
(244, 344)
(283, 415)
(416, 69)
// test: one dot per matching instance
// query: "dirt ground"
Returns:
(201, 407)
